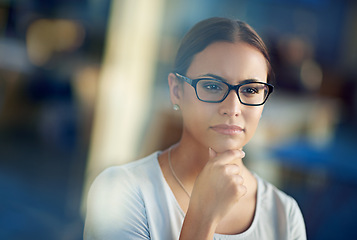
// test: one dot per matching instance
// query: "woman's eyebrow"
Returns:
(251, 80)
(214, 76)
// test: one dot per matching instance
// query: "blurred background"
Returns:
(83, 86)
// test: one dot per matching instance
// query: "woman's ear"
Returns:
(175, 89)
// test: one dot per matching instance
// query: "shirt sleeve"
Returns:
(297, 224)
(115, 208)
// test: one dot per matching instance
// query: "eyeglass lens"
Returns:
(250, 93)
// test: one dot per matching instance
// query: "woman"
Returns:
(200, 188)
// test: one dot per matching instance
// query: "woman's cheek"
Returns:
(252, 121)
(193, 115)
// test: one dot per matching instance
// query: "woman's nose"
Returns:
(231, 106)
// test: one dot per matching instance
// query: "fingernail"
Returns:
(209, 152)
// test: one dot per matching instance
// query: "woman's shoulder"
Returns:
(272, 199)
(115, 201)
(271, 193)
(281, 210)
(129, 175)
(135, 168)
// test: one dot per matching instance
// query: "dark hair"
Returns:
(213, 30)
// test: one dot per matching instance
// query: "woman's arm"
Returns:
(198, 226)
(218, 187)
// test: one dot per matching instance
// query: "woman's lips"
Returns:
(227, 129)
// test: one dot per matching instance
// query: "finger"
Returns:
(242, 190)
(231, 171)
(239, 179)
(237, 153)
(211, 153)
(234, 169)
(227, 156)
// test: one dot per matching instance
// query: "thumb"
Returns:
(211, 153)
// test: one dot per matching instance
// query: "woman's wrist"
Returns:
(198, 225)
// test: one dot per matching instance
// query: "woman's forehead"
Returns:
(231, 61)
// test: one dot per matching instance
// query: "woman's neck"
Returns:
(189, 159)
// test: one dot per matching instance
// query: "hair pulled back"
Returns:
(216, 29)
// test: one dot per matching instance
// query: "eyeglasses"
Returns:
(212, 90)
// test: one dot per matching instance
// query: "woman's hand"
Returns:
(219, 186)
(217, 189)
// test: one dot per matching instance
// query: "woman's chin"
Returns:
(224, 146)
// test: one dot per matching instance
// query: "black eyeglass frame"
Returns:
(193, 83)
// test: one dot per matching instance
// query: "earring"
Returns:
(176, 107)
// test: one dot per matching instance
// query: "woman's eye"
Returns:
(212, 86)
(250, 90)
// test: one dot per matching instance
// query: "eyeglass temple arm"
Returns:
(186, 79)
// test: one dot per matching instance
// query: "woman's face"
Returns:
(229, 124)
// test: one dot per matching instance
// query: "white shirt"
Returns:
(134, 201)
